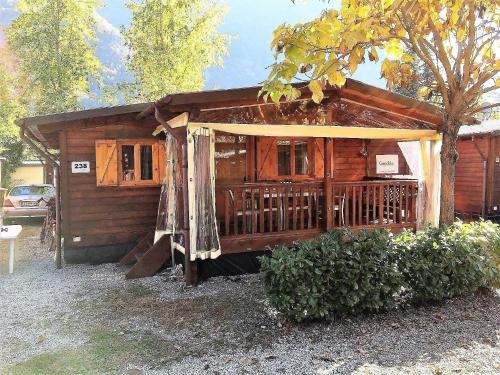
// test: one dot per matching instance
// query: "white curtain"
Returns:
(204, 237)
(166, 220)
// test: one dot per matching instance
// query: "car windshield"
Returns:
(31, 190)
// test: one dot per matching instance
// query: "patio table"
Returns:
(10, 233)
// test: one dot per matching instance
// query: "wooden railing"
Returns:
(387, 203)
(267, 208)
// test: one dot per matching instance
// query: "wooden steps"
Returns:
(147, 257)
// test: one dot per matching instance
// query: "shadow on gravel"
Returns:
(237, 322)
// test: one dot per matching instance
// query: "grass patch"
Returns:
(106, 352)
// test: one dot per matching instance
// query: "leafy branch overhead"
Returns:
(171, 45)
(457, 40)
(55, 43)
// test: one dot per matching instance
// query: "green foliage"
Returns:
(339, 273)
(171, 45)
(11, 147)
(54, 41)
(439, 263)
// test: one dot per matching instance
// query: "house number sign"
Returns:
(80, 167)
(387, 164)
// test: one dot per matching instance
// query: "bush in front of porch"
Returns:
(339, 273)
(344, 273)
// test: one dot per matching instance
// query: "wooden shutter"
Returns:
(267, 158)
(106, 161)
(162, 160)
(319, 159)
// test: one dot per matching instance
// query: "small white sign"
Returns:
(80, 167)
(10, 232)
(387, 164)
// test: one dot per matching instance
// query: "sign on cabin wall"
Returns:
(80, 167)
(387, 164)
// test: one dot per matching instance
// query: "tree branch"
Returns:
(413, 45)
(470, 46)
(480, 109)
(441, 54)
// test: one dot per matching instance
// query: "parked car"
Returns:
(27, 201)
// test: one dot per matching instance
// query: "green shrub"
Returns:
(338, 273)
(439, 263)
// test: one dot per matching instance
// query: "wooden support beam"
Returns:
(190, 267)
(429, 195)
(317, 131)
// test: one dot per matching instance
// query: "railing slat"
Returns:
(309, 208)
(261, 210)
(270, 204)
(346, 201)
(235, 211)
(302, 213)
(244, 211)
(227, 212)
(279, 202)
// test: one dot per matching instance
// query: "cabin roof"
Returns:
(487, 127)
(379, 107)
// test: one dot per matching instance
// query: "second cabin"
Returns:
(214, 178)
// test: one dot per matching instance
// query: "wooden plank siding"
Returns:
(493, 181)
(470, 175)
(102, 215)
(348, 163)
(383, 147)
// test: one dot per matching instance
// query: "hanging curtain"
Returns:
(166, 220)
(204, 238)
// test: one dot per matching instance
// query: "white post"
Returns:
(430, 196)
(12, 248)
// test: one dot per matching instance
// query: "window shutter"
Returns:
(162, 160)
(267, 158)
(106, 161)
(319, 159)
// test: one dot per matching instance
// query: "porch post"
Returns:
(429, 194)
(190, 267)
(327, 185)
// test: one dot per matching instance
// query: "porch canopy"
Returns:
(347, 113)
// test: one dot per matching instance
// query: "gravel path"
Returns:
(88, 319)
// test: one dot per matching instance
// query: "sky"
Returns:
(249, 22)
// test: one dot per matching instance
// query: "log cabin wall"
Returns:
(493, 178)
(102, 223)
(230, 158)
(348, 162)
(470, 175)
(383, 147)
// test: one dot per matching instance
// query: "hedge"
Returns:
(343, 273)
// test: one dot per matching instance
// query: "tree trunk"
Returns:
(449, 157)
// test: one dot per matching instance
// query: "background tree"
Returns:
(11, 108)
(54, 41)
(457, 40)
(171, 45)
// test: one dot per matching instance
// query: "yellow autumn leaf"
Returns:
(407, 58)
(317, 91)
(497, 82)
(423, 92)
(336, 79)
(372, 54)
(393, 48)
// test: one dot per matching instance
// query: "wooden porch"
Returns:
(252, 216)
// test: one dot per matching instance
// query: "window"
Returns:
(293, 158)
(130, 162)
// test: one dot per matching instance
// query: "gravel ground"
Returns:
(88, 319)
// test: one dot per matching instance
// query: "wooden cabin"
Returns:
(477, 180)
(224, 174)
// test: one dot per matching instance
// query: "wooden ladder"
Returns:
(147, 257)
